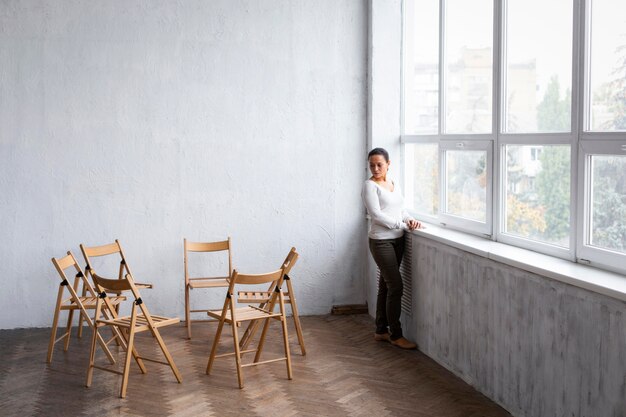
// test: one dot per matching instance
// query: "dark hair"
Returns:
(379, 151)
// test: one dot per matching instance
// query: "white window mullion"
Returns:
(579, 52)
(499, 59)
(442, 67)
(442, 107)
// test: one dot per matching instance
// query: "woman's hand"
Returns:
(414, 224)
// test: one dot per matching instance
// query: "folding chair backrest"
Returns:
(114, 248)
(207, 247)
(254, 279)
(102, 250)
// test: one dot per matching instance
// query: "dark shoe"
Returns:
(402, 343)
(382, 337)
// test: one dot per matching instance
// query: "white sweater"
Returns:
(386, 209)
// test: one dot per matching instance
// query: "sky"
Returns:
(537, 29)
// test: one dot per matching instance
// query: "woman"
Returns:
(385, 205)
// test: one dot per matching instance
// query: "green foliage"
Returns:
(552, 183)
(553, 189)
(609, 203)
(618, 92)
(554, 113)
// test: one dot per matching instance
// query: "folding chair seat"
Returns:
(263, 298)
(129, 326)
(233, 315)
(203, 282)
(81, 299)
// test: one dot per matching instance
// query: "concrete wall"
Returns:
(536, 346)
(150, 121)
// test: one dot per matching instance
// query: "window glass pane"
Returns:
(537, 202)
(466, 184)
(421, 67)
(422, 177)
(469, 58)
(608, 65)
(538, 66)
(608, 202)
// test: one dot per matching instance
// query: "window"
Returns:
(607, 194)
(421, 67)
(607, 66)
(466, 189)
(421, 178)
(538, 66)
(537, 199)
(535, 151)
(523, 81)
(469, 66)
(603, 208)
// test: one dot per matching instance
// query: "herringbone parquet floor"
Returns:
(345, 373)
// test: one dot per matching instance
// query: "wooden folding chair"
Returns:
(130, 326)
(234, 316)
(263, 298)
(84, 302)
(207, 282)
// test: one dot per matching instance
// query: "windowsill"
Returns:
(592, 279)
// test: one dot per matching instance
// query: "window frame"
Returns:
(582, 142)
(458, 222)
(526, 243)
(587, 254)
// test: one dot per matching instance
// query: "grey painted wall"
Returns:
(150, 121)
(536, 346)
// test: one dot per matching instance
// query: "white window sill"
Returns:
(592, 279)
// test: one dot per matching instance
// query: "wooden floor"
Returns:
(345, 373)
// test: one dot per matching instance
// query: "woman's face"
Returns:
(378, 167)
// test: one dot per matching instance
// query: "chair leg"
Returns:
(259, 348)
(122, 340)
(296, 316)
(283, 320)
(216, 340)
(249, 334)
(55, 323)
(105, 348)
(168, 357)
(70, 317)
(187, 313)
(129, 354)
(80, 325)
(103, 343)
(124, 344)
(237, 355)
(80, 317)
(298, 326)
(92, 355)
